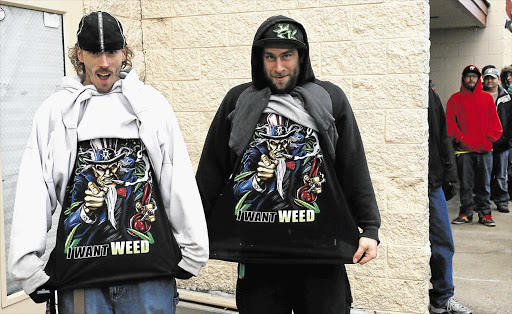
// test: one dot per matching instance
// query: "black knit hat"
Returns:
(282, 33)
(100, 31)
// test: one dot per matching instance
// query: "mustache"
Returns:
(104, 71)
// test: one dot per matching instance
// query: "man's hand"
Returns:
(180, 273)
(94, 198)
(367, 248)
(265, 169)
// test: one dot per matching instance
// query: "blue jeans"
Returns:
(499, 177)
(441, 245)
(474, 171)
(509, 172)
(151, 296)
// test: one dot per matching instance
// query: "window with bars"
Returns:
(31, 67)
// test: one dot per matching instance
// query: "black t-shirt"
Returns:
(113, 226)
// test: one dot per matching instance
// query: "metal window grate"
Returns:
(31, 68)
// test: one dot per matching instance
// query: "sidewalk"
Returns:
(482, 265)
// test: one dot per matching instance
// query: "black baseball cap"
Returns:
(471, 69)
(282, 33)
(100, 31)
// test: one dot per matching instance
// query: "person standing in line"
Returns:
(473, 125)
(506, 83)
(500, 148)
(109, 150)
(285, 184)
(442, 177)
(506, 78)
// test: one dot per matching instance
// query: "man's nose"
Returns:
(279, 66)
(104, 60)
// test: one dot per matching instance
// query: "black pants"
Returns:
(279, 289)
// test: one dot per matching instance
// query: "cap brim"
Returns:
(277, 137)
(279, 43)
(104, 162)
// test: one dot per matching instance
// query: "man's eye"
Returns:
(269, 57)
(112, 52)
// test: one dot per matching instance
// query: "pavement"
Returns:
(482, 266)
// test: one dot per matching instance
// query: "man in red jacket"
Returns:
(473, 125)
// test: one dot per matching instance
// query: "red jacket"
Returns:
(471, 119)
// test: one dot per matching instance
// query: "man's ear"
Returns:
(79, 54)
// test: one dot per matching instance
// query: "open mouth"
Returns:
(280, 78)
(104, 77)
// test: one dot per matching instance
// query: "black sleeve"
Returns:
(351, 166)
(217, 160)
(503, 115)
(446, 149)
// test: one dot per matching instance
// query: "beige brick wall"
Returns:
(194, 51)
(453, 49)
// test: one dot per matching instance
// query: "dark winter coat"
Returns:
(441, 168)
(504, 109)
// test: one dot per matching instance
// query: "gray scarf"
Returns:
(251, 103)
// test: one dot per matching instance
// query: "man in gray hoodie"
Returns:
(108, 149)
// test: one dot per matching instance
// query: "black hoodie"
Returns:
(311, 214)
(441, 168)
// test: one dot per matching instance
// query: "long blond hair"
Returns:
(80, 67)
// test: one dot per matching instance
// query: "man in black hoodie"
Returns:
(500, 148)
(285, 184)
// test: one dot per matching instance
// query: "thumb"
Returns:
(358, 255)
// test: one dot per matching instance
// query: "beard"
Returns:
(280, 171)
(292, 82)
(469, 87)
(110, 200)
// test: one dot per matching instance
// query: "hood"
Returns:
(501, 91)
(503, 75)
(258, 78)
(73, 83)
(478, 88)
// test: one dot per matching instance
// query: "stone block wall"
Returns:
(377, 51)
(454, 49)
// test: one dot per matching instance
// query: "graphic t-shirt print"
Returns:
(110, 199)
(280, 177)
